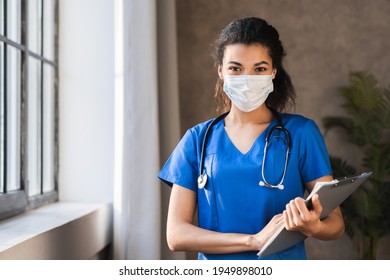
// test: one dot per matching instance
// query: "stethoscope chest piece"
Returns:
(202, 180)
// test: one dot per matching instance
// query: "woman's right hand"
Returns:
(267, 232)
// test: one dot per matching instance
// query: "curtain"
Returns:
(137, 198)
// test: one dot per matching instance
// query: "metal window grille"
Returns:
(28, 104)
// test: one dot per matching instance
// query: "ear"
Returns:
(220, 72)
(274, 73)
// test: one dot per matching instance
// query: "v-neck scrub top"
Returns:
(233, 201)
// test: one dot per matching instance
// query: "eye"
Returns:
(260, 69)
(234, 68)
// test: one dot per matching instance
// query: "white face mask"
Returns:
(248, 92)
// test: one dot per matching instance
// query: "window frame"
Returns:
(17, 201)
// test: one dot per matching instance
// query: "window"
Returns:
(28, 104)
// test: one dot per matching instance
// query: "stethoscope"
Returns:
(202, 179)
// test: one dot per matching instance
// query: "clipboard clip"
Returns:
(344, 182)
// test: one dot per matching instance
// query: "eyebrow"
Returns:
(256, 64)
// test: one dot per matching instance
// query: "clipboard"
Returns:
(331, 195)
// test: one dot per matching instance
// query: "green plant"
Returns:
(367, 124)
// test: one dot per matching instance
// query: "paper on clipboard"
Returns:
(331, 195)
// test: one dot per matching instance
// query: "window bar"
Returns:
(41, 97)
(2, 91)
(3, 122)
(5, 101)
(2, 134)
(56, 97)
(24, 49)
(23, 99)
(25, 54)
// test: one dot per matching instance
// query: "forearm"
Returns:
(183, 235)
(331, 227)
(187, 237)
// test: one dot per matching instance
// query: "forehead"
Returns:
(246, 53)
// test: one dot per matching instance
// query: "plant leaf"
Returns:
(341, 168)
(363, 93)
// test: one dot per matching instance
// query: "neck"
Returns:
(260, 115)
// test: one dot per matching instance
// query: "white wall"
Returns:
(86, 98)
(103, 126)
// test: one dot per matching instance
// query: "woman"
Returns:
(245, 195)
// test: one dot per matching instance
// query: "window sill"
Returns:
(57, 231)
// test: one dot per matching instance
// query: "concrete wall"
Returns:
(324, 40)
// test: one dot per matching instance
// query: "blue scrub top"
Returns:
(232, 200)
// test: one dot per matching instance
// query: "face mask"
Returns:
(248, 92)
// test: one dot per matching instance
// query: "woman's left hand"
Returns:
(297, 217)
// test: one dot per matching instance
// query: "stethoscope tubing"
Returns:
(288, 144)
(202, 179)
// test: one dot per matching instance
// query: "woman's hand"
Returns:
(298, 217)
(267, 232)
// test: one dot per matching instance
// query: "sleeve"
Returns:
(181, 167)
(314, 160)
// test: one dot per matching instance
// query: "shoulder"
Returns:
(294, 119)
(301, 127)
(194, 136)
(200, 129)
(298, 122)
